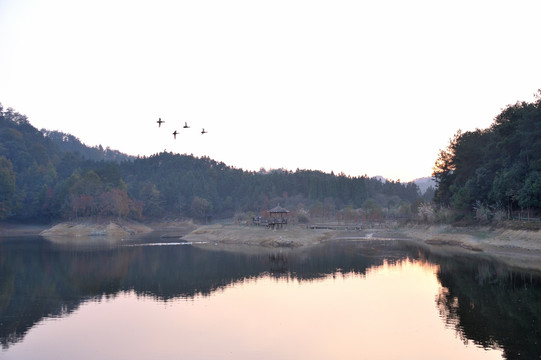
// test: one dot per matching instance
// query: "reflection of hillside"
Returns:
(492, 305)
(36, 282)
(38, 279)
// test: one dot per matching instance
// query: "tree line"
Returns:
(49, 176)
(494, 173)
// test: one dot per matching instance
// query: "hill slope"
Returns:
(49, 175)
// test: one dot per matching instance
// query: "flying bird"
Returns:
(186, 125)
(160, 121)
(203, 131)
(175, 134)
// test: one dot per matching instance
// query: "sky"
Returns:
(359, 87)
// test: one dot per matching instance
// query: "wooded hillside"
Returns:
(495, 172)
(48, 175)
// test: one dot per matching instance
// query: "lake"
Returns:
(156, 299)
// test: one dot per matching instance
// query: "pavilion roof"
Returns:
(279, 209)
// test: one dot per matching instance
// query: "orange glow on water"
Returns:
(388, 314)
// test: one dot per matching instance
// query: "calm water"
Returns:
(352, 300)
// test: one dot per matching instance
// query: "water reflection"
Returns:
(492, 305)
(486, 303)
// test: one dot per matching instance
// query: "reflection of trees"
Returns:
(492, 306)
(35, 284)
(487, 303)
(38, 279)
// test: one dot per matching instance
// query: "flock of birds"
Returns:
(175, 133)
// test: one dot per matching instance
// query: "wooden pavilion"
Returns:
(277, 220)
(278, 217)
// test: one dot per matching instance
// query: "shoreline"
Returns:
(518, 248)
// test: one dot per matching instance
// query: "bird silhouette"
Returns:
(203, 131)
(175, 134)
(186, 125)
(160, 121)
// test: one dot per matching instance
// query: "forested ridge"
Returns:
(49, 176)
(486, 174)
(494, 173)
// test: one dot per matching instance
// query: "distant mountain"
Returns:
(424, 183)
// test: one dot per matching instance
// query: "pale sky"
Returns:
(360, 87)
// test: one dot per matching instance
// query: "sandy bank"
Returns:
(86, 229)
(109, 229)
(483, 238)
(518, 248)
(90, 232)
(292, 236)
(521, 248)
